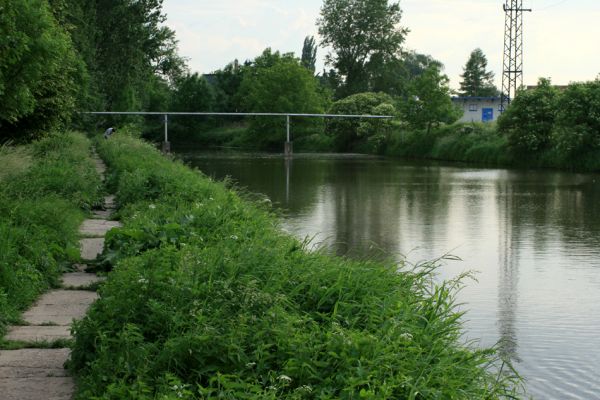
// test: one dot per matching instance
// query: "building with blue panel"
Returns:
(478, 109)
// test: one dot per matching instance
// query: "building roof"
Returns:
(475, 98)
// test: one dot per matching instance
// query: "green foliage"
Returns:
(429, 102)
(476, 81)
(577, 128)
(40, 212)
(529, 120)
(39, 70)
(357, 31)
(309, 53)
(192, 94)
(350, 133)
(208, 299)
(279, 84)
(478, 143)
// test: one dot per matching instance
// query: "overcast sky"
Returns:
(561, 36)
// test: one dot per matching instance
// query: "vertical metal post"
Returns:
(288, 148)
(166, 147)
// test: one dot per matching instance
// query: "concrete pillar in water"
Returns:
(166, 146)
(289, 149)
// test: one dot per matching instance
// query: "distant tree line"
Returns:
(58, 56)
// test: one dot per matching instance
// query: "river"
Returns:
(532, 236)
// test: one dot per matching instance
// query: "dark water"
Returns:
(533, 237)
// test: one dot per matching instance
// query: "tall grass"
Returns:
(44, 189)
(207, 298)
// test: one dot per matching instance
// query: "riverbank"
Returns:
(207, 297)
(45, 190)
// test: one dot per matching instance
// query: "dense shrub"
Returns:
(350, 133)
(577, 128)
(209, 299)
(41, 203)
(528, 121)
(472, 142)
(280, 84)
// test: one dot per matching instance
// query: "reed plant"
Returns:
(208, 298)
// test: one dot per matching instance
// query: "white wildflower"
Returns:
(406, 336)
(234, 237)
(251, 365)
(284, 378)
(152, 206)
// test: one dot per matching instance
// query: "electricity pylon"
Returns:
(512, 71)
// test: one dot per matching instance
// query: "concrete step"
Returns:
(80, 279)
(110, 202)
(91, 248)
(60, 307)
(97, 227)
(35, 374)
(102, 214)
(32, 334)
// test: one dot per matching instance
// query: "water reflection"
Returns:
(534, 237)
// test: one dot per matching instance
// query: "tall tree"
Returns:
(429, 103)
(309, 53)
(39, 70)
(357, 30)
(476, 80)
(276, 82)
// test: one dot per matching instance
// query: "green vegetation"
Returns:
(209, 299)
(62, 56)
(476, 80)
(281, 84)
(361, 134)
(363, 35)
(429, 104)
(43, 195)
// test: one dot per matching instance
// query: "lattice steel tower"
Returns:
(512, 71)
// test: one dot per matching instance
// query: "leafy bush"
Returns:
(529, 119)
(577, 128)
(208, 298)
(471, 142)
(350, 133)
(280, 84)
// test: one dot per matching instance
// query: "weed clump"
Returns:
(44, 190)
(207, 298)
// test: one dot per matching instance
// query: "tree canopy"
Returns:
(358, 31)
(309, 53)
(429, 103)
(529, 120)
(476, 80)
(39, 69)
(278, 83)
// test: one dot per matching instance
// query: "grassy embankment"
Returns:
(470, 142)
(45, 189)
(207, 298)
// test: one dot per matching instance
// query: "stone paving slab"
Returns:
(97, 227)
(102, 214)
(38, 333)
(33, 363)
(110, 202)
(91, 248)
(80, 279)
(60, 307)
(50, 388)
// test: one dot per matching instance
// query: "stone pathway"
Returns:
(38, 373)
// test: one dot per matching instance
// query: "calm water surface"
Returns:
(533, 237)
